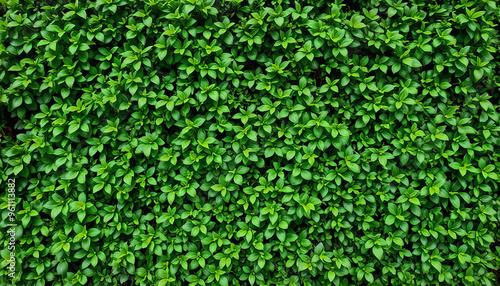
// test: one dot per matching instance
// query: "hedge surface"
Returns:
(253, 142)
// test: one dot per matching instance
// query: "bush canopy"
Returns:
(250, 142)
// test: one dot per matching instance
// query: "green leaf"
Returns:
(70, 81)
(455, 201)
(354, 167)
(306, 175)
(478, 74)
(415, 201)
(412, 62)
(261, 262)
(463, 170)
(279, 21)
(378, 252)
(442, 136)
(389, 220)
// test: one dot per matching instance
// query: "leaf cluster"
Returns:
(251, 142)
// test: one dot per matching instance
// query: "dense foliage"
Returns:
(250, 142)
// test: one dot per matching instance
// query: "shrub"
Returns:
(251, 142)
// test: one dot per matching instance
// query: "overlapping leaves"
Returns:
(252, 142)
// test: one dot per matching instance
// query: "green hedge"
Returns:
(250, 142)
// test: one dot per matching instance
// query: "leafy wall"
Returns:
(251, 142)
